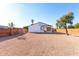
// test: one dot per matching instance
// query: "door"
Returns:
(48, 28)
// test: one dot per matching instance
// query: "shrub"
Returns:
(53, 30)
(71, 26)
(76, 25)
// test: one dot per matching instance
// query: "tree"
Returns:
(66, 19)
(76, 25)
(11, 25)
(25, 27)
(58, 24)
(32, 21)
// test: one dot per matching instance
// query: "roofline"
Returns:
(40, 22)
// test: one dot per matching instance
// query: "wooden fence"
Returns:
(7, 32)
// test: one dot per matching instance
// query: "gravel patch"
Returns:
(32, 44)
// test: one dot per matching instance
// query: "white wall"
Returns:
(35, 28)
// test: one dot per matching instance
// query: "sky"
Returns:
(21, 14)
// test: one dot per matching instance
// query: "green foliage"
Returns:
(11, 25)
(25, 27)
(71, 26)
(32, 21)
(58, 24)
(64, 20)
(54, 30)
(67, 19)
(76, 25)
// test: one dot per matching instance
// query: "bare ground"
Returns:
(36, 44)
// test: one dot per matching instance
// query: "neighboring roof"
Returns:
(41, 23)
(1, 26)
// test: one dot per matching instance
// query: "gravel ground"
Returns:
(33, 44)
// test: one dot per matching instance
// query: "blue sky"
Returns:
(22, 13)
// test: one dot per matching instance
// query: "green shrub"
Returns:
(71, 26)
(53, 30)
(76, 25)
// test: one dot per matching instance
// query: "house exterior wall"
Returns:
(39, 27)
(49, 29)
(35, 28)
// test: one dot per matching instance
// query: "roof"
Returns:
(41, 23)
(1, 26)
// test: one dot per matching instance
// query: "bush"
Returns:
(25, 27)
(76, 25)
(53, 30)
(71, 26)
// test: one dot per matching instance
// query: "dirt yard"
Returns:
(36, 44)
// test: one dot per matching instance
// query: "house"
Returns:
(3, 27)
(40, 27)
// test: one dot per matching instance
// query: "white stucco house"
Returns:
(40, 27)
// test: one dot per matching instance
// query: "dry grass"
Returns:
(40, 45)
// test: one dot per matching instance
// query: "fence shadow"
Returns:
(9, 37)
(59, 33)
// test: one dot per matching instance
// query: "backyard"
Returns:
(39, 44)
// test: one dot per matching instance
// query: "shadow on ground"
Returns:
(10, 37)
(48, 33)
